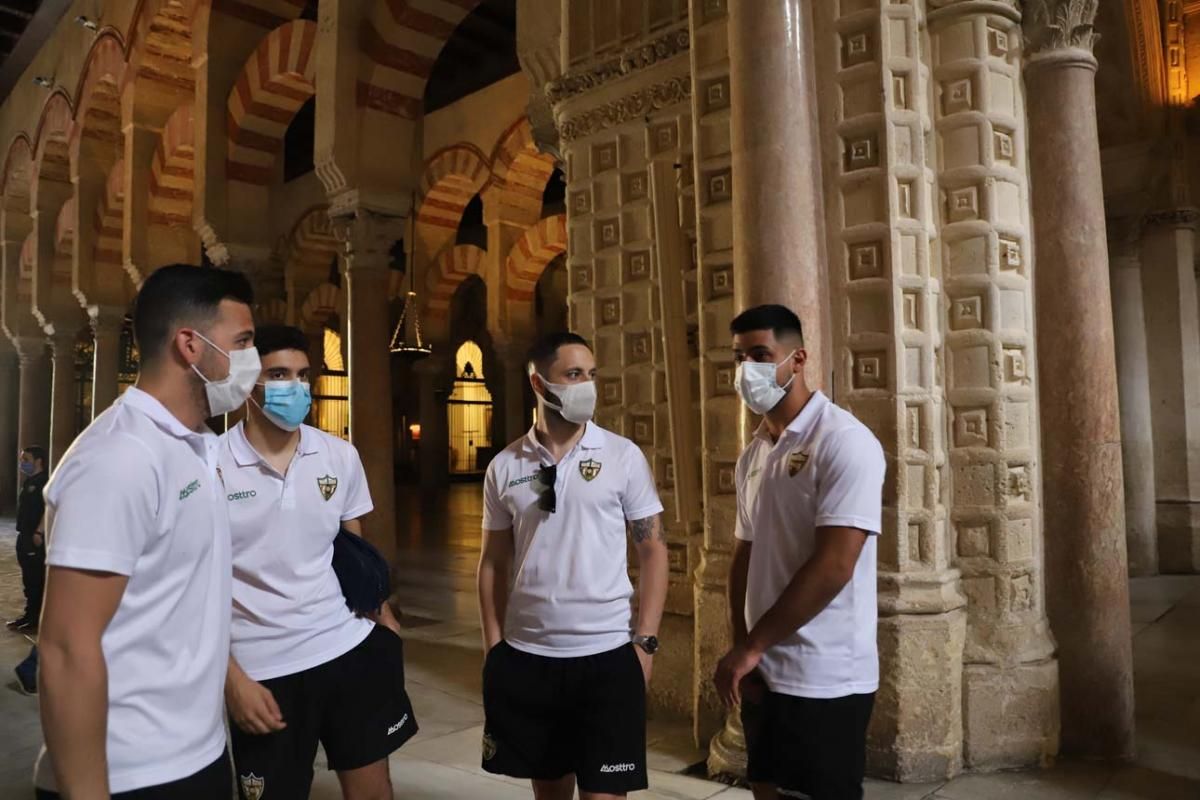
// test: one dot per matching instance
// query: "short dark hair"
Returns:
(273, 338)
(36, 452)
(780, 320)
(545, 349)
(181, 294)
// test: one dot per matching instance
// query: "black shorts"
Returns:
(354, 705)
(551, 717)
(814, 748)
(215, 780)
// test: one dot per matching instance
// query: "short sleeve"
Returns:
(741, 527)
(102, 507)
(358, 498)
(496, 516)
(640, 498)
(850, 476)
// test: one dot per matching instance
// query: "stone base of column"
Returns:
(1010, 715)
(727, 751)
(1179, 537)
(916, 728)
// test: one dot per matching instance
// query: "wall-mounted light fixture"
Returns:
(90, 24)
(44, 82)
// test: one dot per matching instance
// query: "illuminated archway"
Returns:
(469, 409)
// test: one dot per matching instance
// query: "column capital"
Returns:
(1187, 218)
(1124, 237)
(62, 344)
(106, 320)
(29, 348)
(1061, 32)
(368, 237)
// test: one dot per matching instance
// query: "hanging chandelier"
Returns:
(406, 339)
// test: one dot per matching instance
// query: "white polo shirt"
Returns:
(289, 613)
(570, 590)
(138, 494)
(826, 470)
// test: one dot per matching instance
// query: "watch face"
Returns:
(649, 644)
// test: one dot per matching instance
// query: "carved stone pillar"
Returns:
(1133, 382)
(432, 373)
(1173, 347)
(1087, 586)
(33, 423)
(62, 410)
(369, 238)
(140, 143)
(778, 216)
(1010, 676)
(10, 384)
(511, 354)
(107, 324)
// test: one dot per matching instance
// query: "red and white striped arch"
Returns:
(321, 304)
(529, 257)
(98, 116)
(110, 218)
(446, 274)
(521, 172)
(160, 47)
(453, 175)
(272, 312)
(401, 40)
(64, 228)
(51, 158)
(172, 173)
(312, 247)
(279, 77)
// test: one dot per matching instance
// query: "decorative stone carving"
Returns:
(1061, 25)
(638, 104)
(576, 82)
(1175, 217)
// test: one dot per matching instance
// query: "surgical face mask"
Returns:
(27, 468)
(286, 403)
(229, 393)
(757, 385)
(577, 401)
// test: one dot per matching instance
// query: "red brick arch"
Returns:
(445, 276)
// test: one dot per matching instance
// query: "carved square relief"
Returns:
(963, 204)
(638, 347)
(857, 48)
(905, 192)
(668, 473)
(604, 157)
(1010, 255)
(716, 94)
(663, 138)
(610, 391)
(869, 370)
(643, 429)
(714, 9)
(1003, 149)
(1018, 544)
(633, 186)
(914, 542)
(581, 202)
(1018, 484)
(957, 96)
(719, 186)
(966, 313)
(610, 311)
(862, 153)
(1015, 368)
(607, 233)
(971, 428)
(997, 42)
(866, 260)
(722, 283)
(1021, 594)
(974, 540)
(911, 306)
(726, 480)
(912, 426)
(583, 278)
(900, 92)
(637, 266)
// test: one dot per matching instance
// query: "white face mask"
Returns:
(757, 385)
(578, 400)
(230, 393)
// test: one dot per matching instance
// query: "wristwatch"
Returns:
(647, 643)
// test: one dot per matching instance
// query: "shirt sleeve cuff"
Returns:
(496, 523)
(355, 513)
(644, 513)
(836, 521)
(98, 560)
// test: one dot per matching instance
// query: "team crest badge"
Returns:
(489, 747)
(589, 469)
(796, 462)
(328, 485)
(252, 786)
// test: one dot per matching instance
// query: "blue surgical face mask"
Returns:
(286, 403)
(27, 468)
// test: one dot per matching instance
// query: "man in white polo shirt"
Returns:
(304, 669)
(135, 630)
(567, 665)
(802, 583)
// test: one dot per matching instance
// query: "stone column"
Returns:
(33, 424)
(510, 353)
(1173, 347)
(10, 384)
(140, 143)
(435, 428)
(1010, 676)
(1133, 383)
(62, 404)
(778, 216)
(369, 237)
(106, 365)
(1087, 574)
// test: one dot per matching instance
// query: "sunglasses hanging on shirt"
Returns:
(543, 483)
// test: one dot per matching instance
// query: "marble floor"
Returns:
(439, 544)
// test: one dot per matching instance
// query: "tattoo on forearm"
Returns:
(643, 529)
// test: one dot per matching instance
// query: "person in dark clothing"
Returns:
(31, 539)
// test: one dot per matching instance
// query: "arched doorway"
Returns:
(469, 410)
(331, 394)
